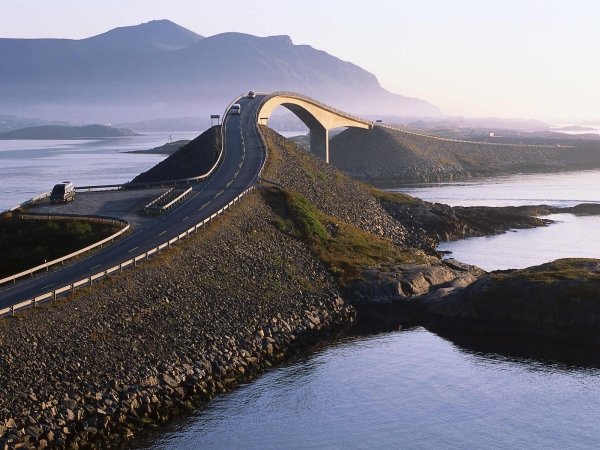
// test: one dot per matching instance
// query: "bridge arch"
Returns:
(317, 116)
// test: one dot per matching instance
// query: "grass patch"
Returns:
(559, 270)
(28, 243)
(344, 248)
(392, 197)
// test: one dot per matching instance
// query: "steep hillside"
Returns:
(385, 156)
(193, 159)
(324, 185)
(159, 69)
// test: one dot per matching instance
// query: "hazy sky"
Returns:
(508, 58)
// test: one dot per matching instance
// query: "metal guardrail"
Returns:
(32, 201)
(117, 186)
(319, 104)
(172, 197)
(88, 281)
(62, 259)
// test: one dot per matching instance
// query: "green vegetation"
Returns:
(344, 248)
(559, 270)
(392, 197)
(28, 243)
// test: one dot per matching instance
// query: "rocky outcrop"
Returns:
(557, 300)
(403, 282)
(429, 224)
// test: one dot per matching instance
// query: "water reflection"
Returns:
(534, 354)
(409, 389)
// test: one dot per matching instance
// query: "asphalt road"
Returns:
(239, 168)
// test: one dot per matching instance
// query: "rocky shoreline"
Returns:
(113, 415)
(288, 267)
(147, 345)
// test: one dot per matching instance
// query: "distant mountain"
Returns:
(67, 132)
(159, 69)
(9, 122)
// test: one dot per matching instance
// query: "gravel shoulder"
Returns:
(123, 204)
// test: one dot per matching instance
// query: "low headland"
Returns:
(65, 132)
(291, 266)
(166, 149)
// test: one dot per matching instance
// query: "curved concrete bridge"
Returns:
(317, 116)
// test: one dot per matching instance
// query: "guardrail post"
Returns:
(12, 310)
(72, 288)
(53, 296)
(34, 302)
(120, 268)
(90, 281)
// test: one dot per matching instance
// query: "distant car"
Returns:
(62, 192)
(251, 94)
(236, 109)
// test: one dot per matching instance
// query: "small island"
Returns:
(64, 132)
(167, 149)
(575, 128)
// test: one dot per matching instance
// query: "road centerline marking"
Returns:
(132, 250)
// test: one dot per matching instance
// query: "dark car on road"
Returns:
(63, 192)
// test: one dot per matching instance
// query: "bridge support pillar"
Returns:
(319, 142)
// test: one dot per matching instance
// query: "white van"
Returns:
(236, 109)
(63, 192)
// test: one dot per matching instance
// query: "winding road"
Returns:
(240, 166)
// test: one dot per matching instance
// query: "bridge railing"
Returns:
(319, 104)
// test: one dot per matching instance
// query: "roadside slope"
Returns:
(193, 159)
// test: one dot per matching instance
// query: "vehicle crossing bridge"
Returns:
(318, 117)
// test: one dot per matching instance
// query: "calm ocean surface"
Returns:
(571, 236)
(30, 167)
(415, 389)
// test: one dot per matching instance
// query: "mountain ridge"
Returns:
(160, 69)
